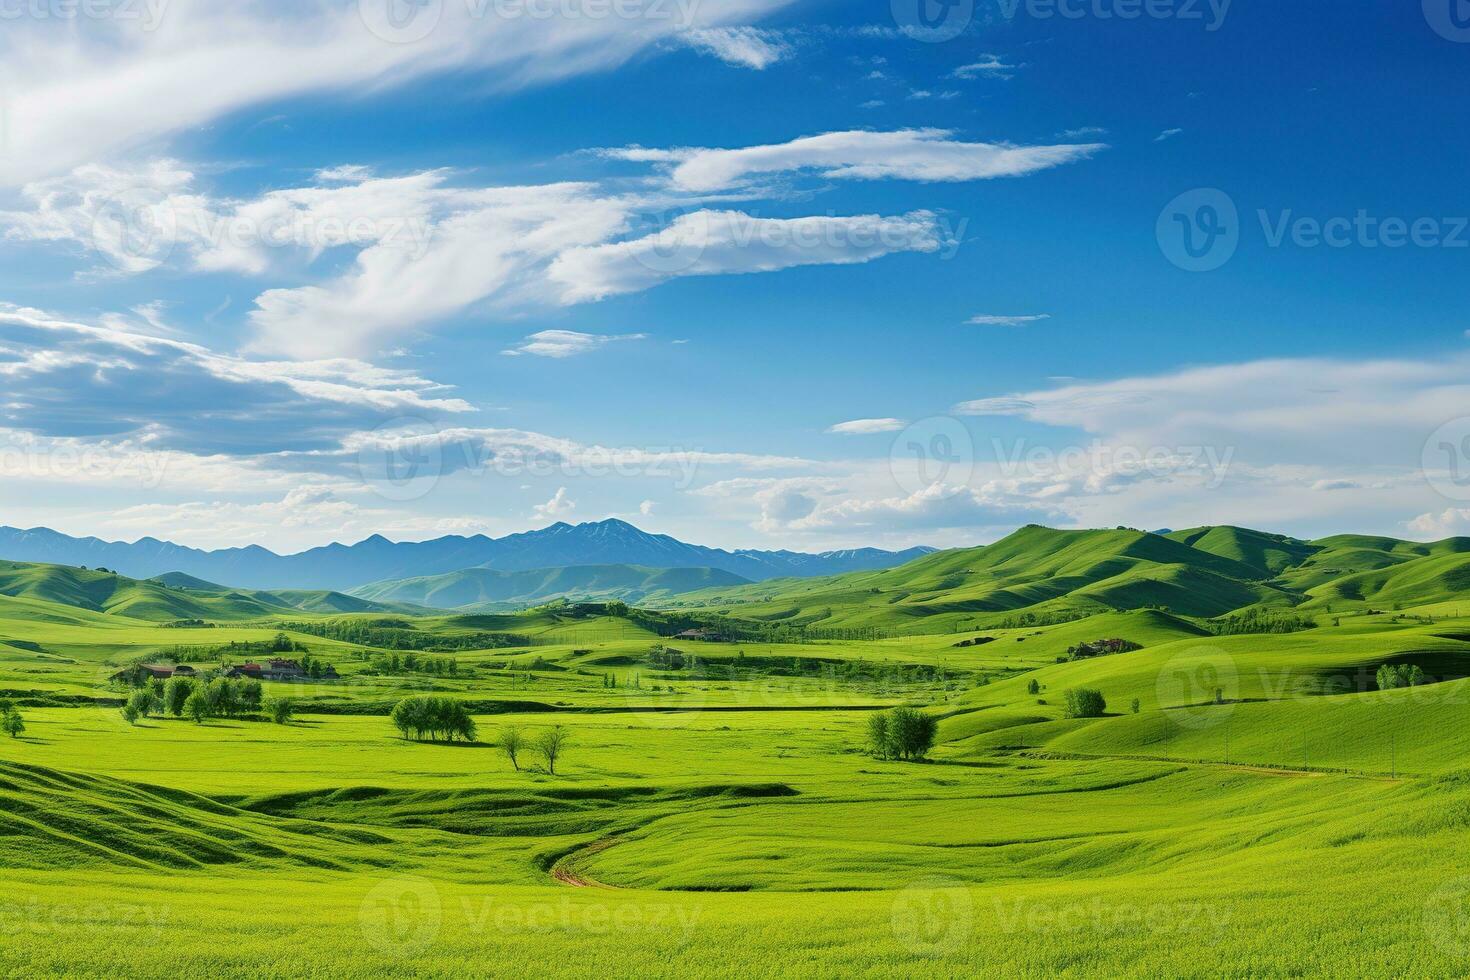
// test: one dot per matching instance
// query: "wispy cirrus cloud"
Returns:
(999, 320)
(862, 427)
(911, 154)
(566, 343)
(744, 47)
(105, 86)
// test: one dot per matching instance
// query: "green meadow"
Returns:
(1257, 796)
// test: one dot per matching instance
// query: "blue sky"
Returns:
(755, 273)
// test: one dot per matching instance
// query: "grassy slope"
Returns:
(1118, 846)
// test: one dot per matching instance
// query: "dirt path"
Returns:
(566, 871)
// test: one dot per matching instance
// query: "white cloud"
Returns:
(910, 154)
(706, 243)
(647, 507)
(745, 47)
(990, 66)
(858, 427)
(1453, 522)
(68, 379)
(567, 343)
(103, 86)
(560, 504)
(1167, 134)
(994, 320)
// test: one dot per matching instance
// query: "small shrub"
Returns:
(1085, 702)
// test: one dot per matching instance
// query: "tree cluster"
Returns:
(901, 733)
(430, 718)
(1391, 676)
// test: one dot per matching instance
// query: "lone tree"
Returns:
(141, 703)
(902, 733)
(511, 743)
(281, 710)
(1084, 702)
(551, 745)
(11, 723)
(197, 706)
(175, 693)
(1033, 686)
(880, 740)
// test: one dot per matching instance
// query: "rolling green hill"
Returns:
(1039, 574)
(167, 598)
(484, 588)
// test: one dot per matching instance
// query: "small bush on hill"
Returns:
(1402, 675)
(1085, 702)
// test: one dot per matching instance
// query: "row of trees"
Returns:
(408, 663)
(1391, 676)
(200, 700)
(901, 733)
(429, 718)
(550, 745)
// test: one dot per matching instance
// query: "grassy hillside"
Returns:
(1247, 804)
(1042, 575)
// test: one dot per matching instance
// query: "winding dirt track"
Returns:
(565, 870)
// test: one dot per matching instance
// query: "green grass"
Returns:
(727, 820)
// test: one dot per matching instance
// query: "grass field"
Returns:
(1248, 804)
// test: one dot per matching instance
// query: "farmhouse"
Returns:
(246, 670)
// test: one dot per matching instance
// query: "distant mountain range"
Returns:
(490, 590)
(339, 567)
